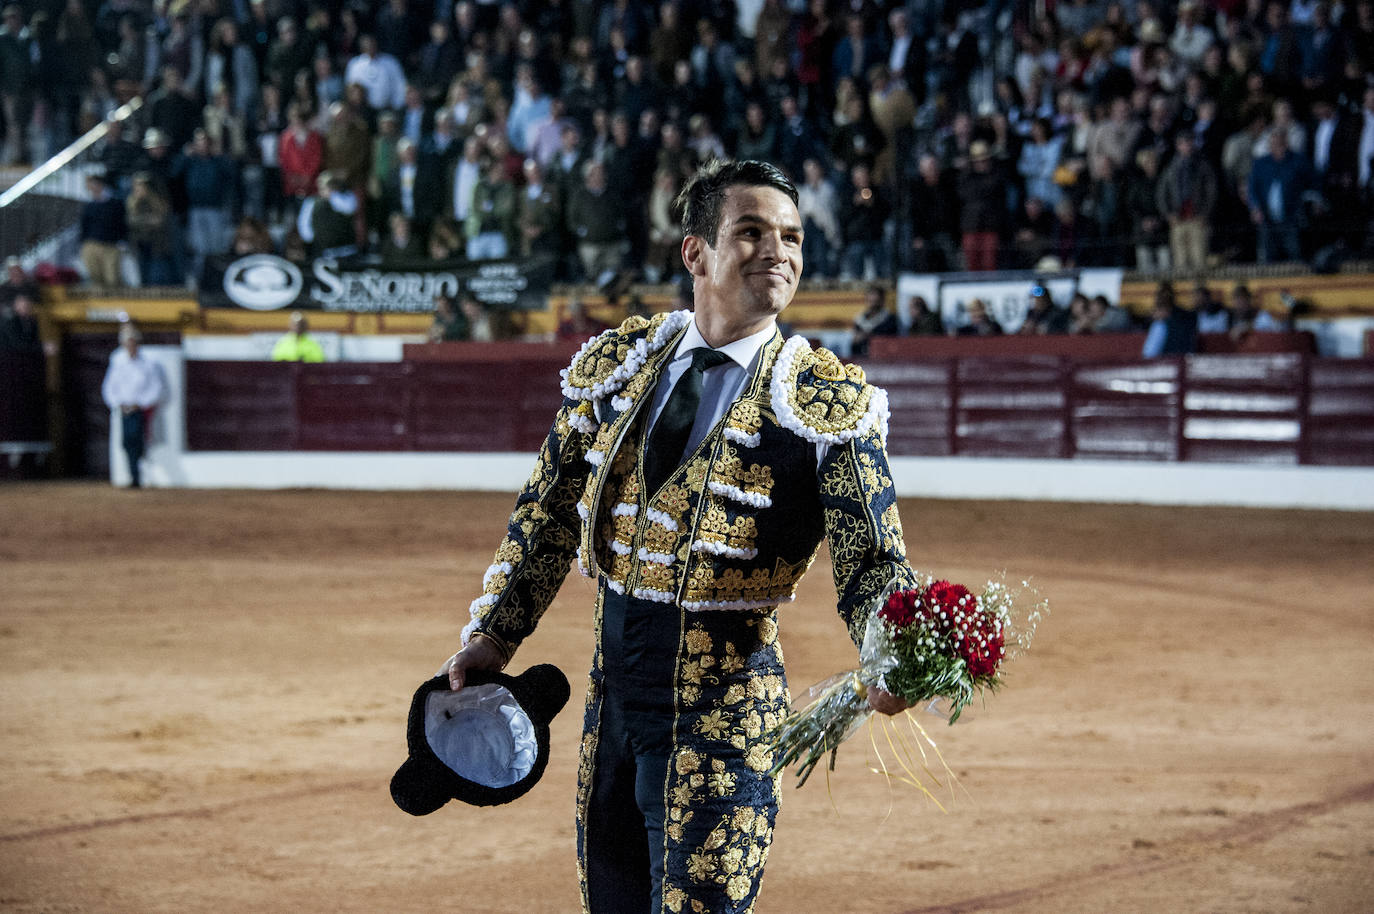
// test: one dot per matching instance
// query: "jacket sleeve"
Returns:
(862, 527)
(541, 539)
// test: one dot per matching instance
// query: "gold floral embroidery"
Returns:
(698, 640)
(717, 527)
(747, 417)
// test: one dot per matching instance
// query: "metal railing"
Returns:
(44, 205)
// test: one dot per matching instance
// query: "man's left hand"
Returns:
(884, 702)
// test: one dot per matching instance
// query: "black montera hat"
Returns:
(486, 744)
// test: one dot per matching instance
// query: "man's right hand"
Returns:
(481, 653)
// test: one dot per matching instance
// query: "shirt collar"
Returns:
(741, 352)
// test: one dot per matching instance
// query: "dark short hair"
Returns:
(702, 199)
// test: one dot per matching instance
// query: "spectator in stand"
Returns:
(399, 31)
(466, 173)
(1187, 195)
(102, 232)
(1044, 317)
(297, 345)
(982, 208)
(757, 138)
(979, 322)
(892, 109)
(863, 211)
(229, 63)
(1278, 182)
(225, 126)
(798, 138)
(172, 110)
(402, 243)
(1109, 318)
(876, 319)
(210, 179)
(328, 84)
(15, 81)
(856, 141)
(481, 328)
(1115, 137)
(119, 157)
(251, 237)
(1247, 317)
(822, 237)
(300, 150)
(19, 325)
(596, 221)
(386, 158)
(134, 385)
(289, 54)
(380, 74)
(326, 220)
(1191, 37)
(182, 47)
(538, 218)
(530, 106)
(933, 217)
(1038, 162)
(148, 214)
(1212, 316)
(1032, 234)
(1105, 217)
(440, 60)
(924, 320)
(16, 283)
(449, 325)
(1173, 331)
(665, 229)
(348, 156)
(490, 224)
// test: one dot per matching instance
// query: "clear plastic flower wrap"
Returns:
(936, 644)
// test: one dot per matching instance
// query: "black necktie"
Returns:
(669, 437)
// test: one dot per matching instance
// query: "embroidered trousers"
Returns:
(670, 818)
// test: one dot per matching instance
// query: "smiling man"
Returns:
(696, 464)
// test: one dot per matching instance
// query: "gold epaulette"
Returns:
(822, 399)
(606, 361)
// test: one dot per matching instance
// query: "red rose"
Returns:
(900, 609)
(944, 595)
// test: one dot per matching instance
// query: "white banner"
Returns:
(1007, 295)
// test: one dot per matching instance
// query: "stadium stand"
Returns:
(1046, 130)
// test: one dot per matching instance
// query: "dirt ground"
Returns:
(204, 696)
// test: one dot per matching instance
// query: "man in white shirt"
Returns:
(380, 74)
(133, 386)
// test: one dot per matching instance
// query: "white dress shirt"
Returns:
(721, 385)
(132, 381)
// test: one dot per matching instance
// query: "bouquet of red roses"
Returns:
(935, 641)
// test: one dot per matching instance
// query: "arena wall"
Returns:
(171, 464)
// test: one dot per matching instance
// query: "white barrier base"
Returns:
(1340, 488)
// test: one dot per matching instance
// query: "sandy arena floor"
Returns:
(205, 694)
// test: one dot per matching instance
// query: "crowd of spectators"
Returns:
(927, 135)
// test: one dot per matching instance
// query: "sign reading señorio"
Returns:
(265, 282)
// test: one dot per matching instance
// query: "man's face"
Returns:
(752, 272)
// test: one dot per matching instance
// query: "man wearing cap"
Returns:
(694, 467)
(133, 386)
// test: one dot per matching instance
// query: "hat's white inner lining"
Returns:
(482, 733)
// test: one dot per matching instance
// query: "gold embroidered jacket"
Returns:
(737, 525)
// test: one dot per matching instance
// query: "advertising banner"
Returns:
(266, 282)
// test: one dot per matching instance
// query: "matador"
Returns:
(695, 546)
